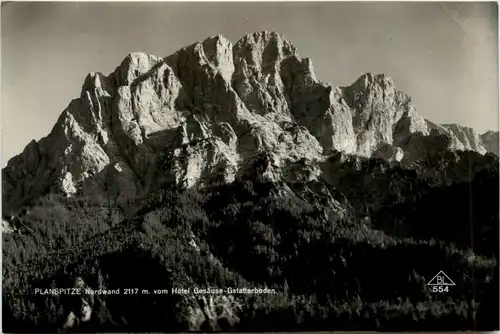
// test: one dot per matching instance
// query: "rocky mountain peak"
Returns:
(467, 137)
(367, 80)
(214, 111)
(267, 45)
(133, 66)
(490, 141)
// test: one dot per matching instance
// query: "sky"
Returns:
(444, 55)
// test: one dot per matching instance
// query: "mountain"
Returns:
(233, 166)
(209, 111)
(464, 138)
(490, 141)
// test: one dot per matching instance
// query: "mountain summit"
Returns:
(214, 110)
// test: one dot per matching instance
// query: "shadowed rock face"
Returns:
(490, 141)
(211, 111)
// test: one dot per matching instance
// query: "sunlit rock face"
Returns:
(218, 111)
(81, 306)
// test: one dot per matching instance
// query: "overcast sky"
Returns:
(443, 55)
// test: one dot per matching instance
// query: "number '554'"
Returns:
(439, 288)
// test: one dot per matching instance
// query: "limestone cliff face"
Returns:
(467, 139)
(383, 117)
(490, 141)
(214, 111)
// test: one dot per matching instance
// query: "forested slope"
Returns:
(364, 269)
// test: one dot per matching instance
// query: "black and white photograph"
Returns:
(291, 166)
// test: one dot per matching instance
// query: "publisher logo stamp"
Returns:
(440, 283)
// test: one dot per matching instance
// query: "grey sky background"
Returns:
(444, 55)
